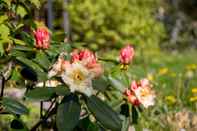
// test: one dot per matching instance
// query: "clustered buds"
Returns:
(140, 93)
(42, 38)
(88, 59)
(126, 54)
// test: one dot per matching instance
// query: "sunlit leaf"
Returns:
(21, 11)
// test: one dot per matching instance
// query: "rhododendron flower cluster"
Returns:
(79, 71)
(42, 38)
(126, 54)
(140, 92)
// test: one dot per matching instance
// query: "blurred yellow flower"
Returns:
(150, 76)
(191, 67)
(163, 71)
(194, 90)
(193, 99)
(171, 99)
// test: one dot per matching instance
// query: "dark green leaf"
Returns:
(29, 74)
(29, 63)
(16, 124)
(86, 125)
(17, 53)
(14, 106)
(42, 60)
(61, 90)
(23, 48)
(40, 94)
(104, 114)
(68, 113)
(134, 115)
(41, 75)
(27, 38)
(125, 110)
(100, 83)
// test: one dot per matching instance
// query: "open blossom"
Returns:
(42, 38)
(78, 78)
(143, 92)
(126, 54)
(132, 98)
(78, 72)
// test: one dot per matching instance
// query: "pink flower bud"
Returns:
(87, 56)
(126, 54)
(42, 38)
(75, 56)
(88, 59)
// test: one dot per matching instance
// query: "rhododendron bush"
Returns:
(75, 83)
(84, 90)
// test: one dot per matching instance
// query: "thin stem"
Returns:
(45, 117)
(2, 86)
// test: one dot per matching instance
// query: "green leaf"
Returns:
(40, 94)
(22, 48)
(68, 113)
(100, 83)
(42, 59)
(8, 2)
(14, 106)
(21, 11)
(29, 63)
(104, 114)
(116, 83)
(18, 125)
(42, 76)
(134, 115)
(36, 3)
(15, 75)
(4, 31)
(125, 124)
(61, 90)
(27, 38)
(19, 42)
(1, 49)
(3, 18)
(17, 53)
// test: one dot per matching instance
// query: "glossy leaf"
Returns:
(14, 106)
(40, 93)
(134, 115)
(68, 113)
(41, 59)
(104, 114)
(100, 83)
